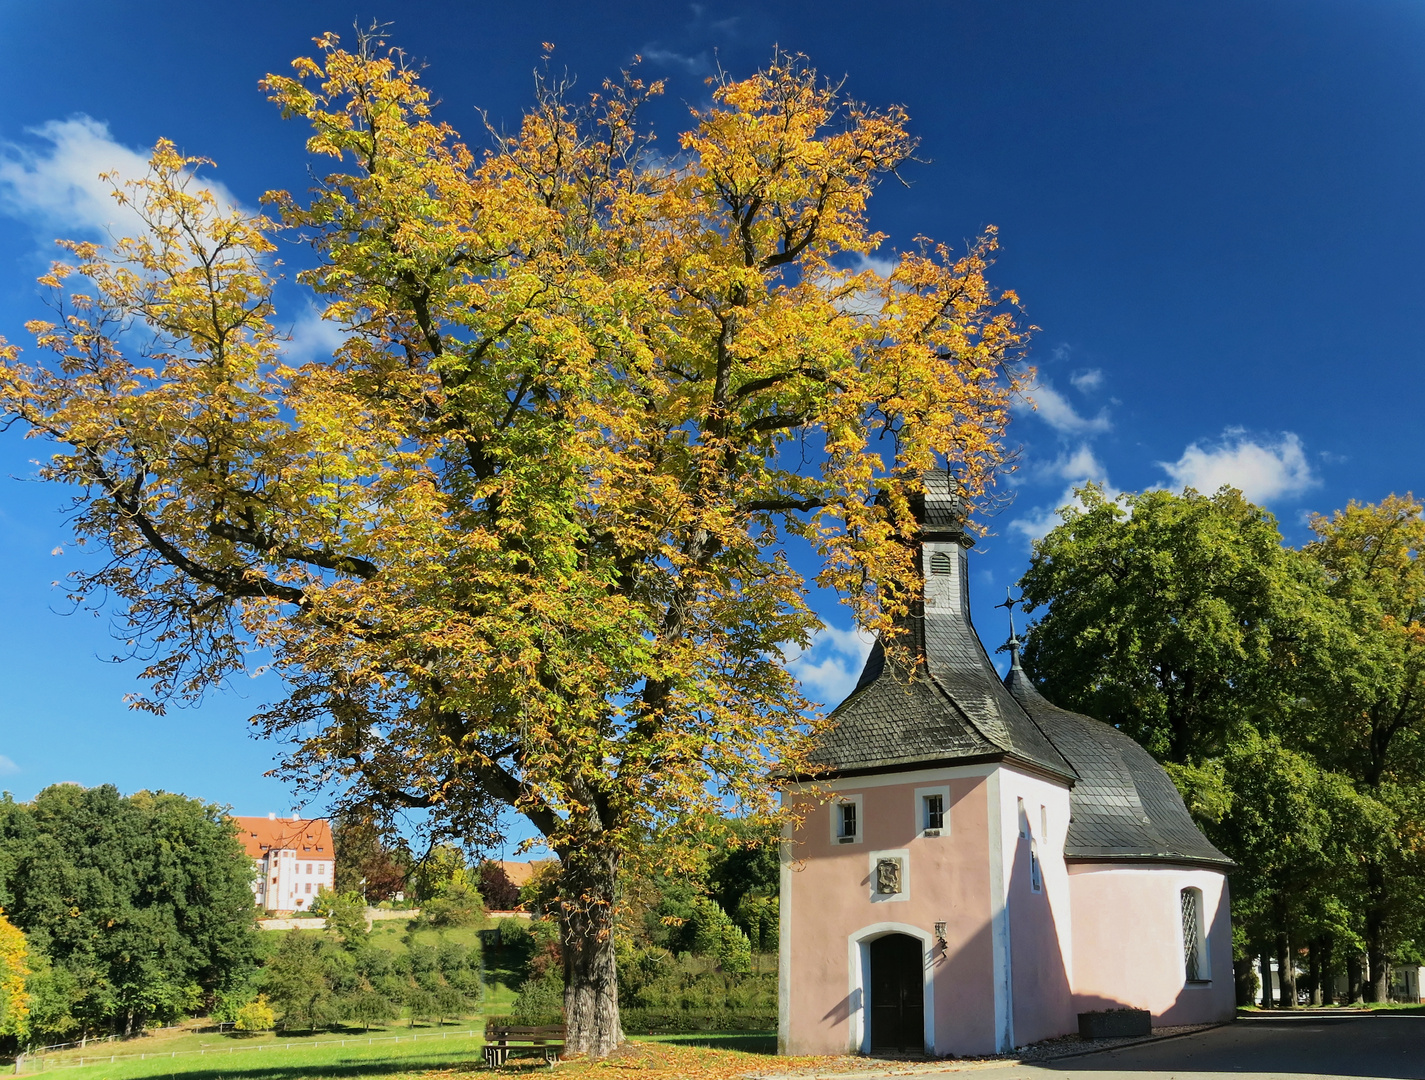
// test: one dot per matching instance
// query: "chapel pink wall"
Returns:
(1128, 941)
(1040, 923)
(830, 902)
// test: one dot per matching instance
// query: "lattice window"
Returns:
(1192, 934)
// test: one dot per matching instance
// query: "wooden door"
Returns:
(897, 994)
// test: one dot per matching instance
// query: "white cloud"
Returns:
(878, 264)
(313, 338)
(1056, 411)
(55, 186)
(1077, 467)
(1087, 381)
(1261, 470)
(7, 767)
(693, 65)
(828, 670)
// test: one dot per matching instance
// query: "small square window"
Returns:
(847, 822)
(933, 815)
(846, 831)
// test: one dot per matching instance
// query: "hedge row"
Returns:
(685, 1022)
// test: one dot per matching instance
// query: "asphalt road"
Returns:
(1383, 1045)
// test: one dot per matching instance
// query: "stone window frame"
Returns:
(835, 815)
(1204, 953)
(918, 809)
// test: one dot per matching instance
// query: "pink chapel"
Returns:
(989, 866)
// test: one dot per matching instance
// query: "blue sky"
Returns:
(1213, 211)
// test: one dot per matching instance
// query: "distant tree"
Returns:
(540, 894)
(759, 918)
(14, 971)
(256, 1015)
(346, 917)
(455, 904)
(362, 855)
(717, 937)
(367, 1007)
(1369, 716)
(144, 901)
(52, 995)
(500, 893)
(744, 861)
(443, 866)
(297, 981)
(420, 1005)
(450, 1003)
(1160, 611)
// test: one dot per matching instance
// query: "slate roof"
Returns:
(1124, 805)
(955, 706)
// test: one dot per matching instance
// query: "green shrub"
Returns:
(715, 935)
(651, 1022)
(541, 1000)
(758, 917)
(256, 1016)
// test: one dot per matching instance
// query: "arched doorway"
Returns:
(897, 994)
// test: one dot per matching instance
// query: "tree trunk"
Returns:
(1376, 987)
(1313, 970)
(1242, 976)
(1286, 972)
(1328, 971)
(1353, 977)
(1266, 979)
(586, 923)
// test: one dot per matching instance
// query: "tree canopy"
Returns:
(522, 540)
(136, 908)
(1281, 687)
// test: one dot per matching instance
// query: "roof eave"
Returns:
(1223, 864)
(938, 761)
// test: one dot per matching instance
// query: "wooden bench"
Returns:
(502, 1041)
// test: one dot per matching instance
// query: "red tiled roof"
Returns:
(309, 837)
(519, 873)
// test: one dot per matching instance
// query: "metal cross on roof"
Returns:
(1010, 603)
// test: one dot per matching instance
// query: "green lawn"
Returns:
(385, 1058)
(193, 1056)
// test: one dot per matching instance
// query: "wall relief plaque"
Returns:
(888, 876)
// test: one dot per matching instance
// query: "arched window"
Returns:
(1194, 938)
(940, 563)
